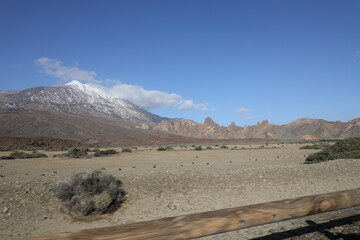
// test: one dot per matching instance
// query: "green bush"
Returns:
(20, 155)
(223, 146)
(344, 149)
(168, 148)
(161, 149)
(209, 148)
(126, 150)
(199, 148)
(89, 193)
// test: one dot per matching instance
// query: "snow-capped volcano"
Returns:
(76, 98)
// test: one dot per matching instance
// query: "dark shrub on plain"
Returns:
(104, 153)
(126, 150)
(75, 153)
(348, 148)
(161, 149)
(88, 193)
(198, 148)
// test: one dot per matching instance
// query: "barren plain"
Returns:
(182, 181)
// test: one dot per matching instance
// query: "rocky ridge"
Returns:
(305, 128)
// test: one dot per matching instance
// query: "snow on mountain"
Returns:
(76, 98)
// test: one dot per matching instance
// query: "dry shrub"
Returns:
(88, 193)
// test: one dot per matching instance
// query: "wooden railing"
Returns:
(208, 223)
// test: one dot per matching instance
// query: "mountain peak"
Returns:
(77, 98)
(74, 83)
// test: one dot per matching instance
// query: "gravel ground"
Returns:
(183, 181)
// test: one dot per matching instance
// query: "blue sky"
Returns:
(240, 61)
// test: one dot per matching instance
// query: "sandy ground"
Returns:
(178, 182)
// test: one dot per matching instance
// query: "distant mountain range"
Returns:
(304, 129)
(79, 112)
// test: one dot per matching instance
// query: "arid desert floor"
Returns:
(178, 182)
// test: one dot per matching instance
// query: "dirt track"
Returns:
(182, 181)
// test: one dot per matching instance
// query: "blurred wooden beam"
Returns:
(208, 223)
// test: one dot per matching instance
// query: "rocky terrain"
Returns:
(182, 181)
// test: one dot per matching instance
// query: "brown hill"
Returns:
(84, 129)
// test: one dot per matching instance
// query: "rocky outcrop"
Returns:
(305, 128)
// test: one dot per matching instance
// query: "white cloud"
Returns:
(242, 110)
(190, 105)
(147, 99)
(56, 68)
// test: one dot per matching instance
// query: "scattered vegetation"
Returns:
(105, 152)
(344, 149)
(199, 148)
(88, 193)
(223, 146)
(208, 148)
(20, 155)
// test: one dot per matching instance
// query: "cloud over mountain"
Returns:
(147, 99)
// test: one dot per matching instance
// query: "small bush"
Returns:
(199, 148)
(168, 148)
(75, 153)
(104, 153)
(89, 193)
(161, 149)
(223, 146)
(209, 148)
(126, 150)
(344, 149)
